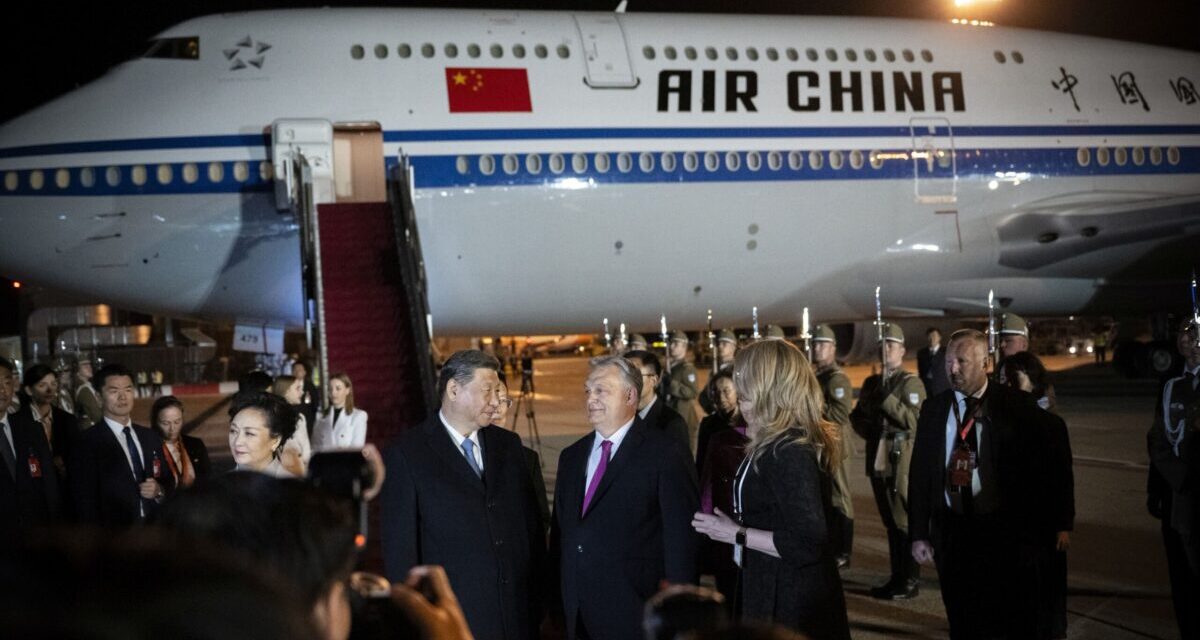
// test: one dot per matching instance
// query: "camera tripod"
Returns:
(525, 401)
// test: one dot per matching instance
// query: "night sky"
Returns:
(55, 47)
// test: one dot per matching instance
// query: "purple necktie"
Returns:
(606, 448)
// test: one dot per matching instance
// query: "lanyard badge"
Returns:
(964, 458)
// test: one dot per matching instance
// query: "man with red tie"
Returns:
(623, 504)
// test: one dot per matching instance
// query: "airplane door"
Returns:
(604, 50)
(934, 165)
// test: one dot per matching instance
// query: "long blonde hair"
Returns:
(778, 380)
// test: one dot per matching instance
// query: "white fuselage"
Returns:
(709, 183)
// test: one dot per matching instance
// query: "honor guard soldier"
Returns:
(637, 342)
(726, 349)
(1014, 334)
(835, 386)
(680, 382)
(886, 417)
(774, 332)
(1174, 483)
(1014, 339)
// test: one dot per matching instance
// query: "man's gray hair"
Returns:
(461, 368)
(631, 375)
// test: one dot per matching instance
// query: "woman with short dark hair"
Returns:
(186, 456)
(260, 424)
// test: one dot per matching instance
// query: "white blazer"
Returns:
(350, 432)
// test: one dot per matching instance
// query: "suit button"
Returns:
(491, 504)
(580, 547)
(499, 543)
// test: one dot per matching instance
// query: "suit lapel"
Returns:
(438, 440)
(619, 460)
(491, 458)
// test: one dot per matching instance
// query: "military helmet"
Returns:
(822, 333)
(637, 338)
(893, 333)
(774, 332)
(679, 336)
(1013, 324)
(727, 336)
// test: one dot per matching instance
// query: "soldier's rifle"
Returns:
(666, 338)
(712, 343)
(806, 334)
(607, 337)
(991, 336)
(1195, 312)
(754, 315)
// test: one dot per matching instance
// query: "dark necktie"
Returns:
(139, 470)
(10, 456)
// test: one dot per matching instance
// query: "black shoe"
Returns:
(885, 590)
(908, 590)
(843, 561)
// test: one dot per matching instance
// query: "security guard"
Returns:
(726, 350)
(886, 417)
(836, 388)
(680, 382)
(1014, 338)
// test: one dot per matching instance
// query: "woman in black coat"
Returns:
(781, 496)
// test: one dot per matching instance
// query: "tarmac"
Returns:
(1118, 585)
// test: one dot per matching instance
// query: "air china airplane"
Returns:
(573, 166)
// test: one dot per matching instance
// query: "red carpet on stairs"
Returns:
(367, 329)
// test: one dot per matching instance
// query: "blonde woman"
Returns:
(781, 495)
(343, 426)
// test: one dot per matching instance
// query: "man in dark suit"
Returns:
(458, 494)
(981, 499)
(1174, 482)
(117, 476)
(29, 490)
(651, 409)
(931, 364)
(623, 504)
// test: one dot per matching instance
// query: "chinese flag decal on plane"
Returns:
(487, 90)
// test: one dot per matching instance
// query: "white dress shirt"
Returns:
(118, 430)
(458, 440)
(594, 457)
(644, 412)
(952, 438)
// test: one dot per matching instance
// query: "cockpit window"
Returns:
(174, 48)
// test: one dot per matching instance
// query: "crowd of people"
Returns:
(662, 523)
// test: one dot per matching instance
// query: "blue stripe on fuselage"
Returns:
(453, 135)
(463, 171)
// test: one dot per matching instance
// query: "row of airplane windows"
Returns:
(139, 175)
(498, 51)
(556, 163)
(450, 50)
(712, 161)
